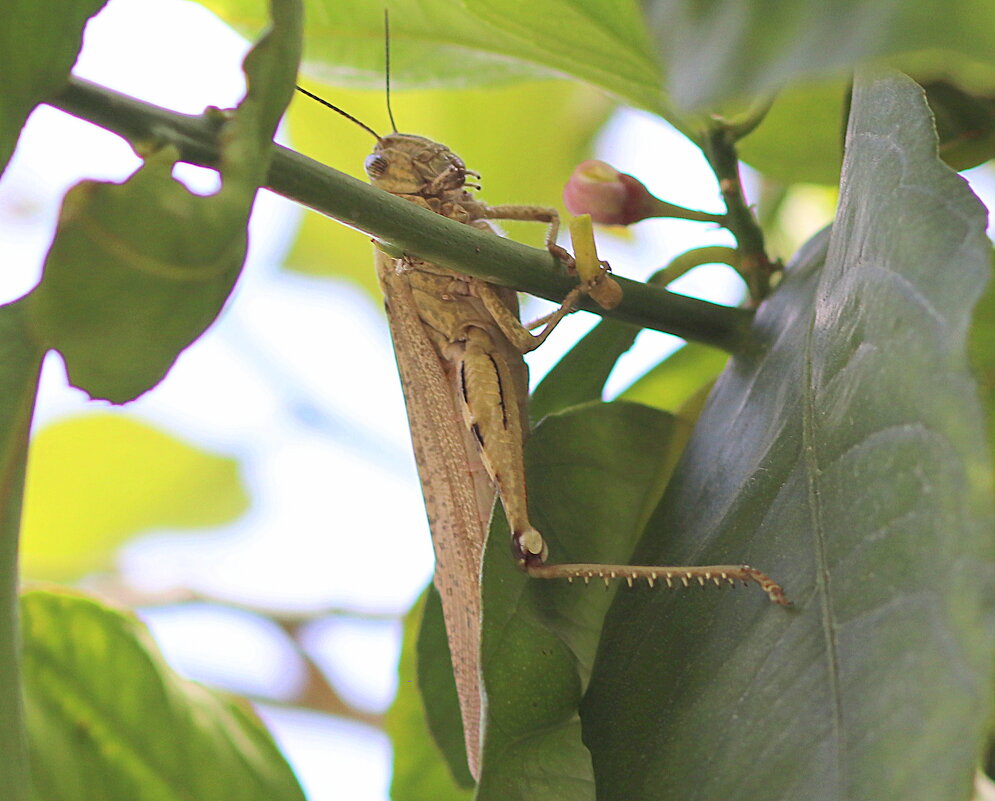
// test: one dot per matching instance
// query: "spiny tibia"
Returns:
(653, 573)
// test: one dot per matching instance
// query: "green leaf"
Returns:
(35, 58)
(604, 43)
(98, 480)
(425, 672)
(801, 138)
(109, 720)
(139, 270)
(678, 378)
(847, 458)
(20, 363)
(965, 123)
(982, 350)
(580, 375)
(595, 474)
(524, 140)
(700, 54)
(718, 49)
(437, 688)
(438, 43)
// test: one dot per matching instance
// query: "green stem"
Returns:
(412, 229)
(20, 364)
(720, 150)
(747, 124)
(661, 208)
(687, 261)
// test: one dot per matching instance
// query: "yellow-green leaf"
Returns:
(95, 481)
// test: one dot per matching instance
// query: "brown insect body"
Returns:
(466, 388)
(459, 345)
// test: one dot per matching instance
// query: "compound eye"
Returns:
(376, 166)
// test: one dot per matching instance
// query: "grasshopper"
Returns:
(459, 345)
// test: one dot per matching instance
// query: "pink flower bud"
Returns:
(609, 196)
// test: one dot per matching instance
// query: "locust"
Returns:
(459, 345)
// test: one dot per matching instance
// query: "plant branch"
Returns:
(414, 230)
(687, 261)
(756, 268)
(20, 366)
(661, 208)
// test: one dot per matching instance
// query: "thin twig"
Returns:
(754, 265)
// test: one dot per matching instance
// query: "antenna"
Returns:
(386, 35)
(345, 114)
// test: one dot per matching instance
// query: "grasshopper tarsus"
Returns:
(653, 573)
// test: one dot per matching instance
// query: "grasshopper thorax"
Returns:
(405, 164)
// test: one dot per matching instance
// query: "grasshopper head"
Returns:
(405, 164)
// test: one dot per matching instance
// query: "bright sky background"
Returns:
(297, 379)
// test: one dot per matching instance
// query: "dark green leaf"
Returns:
(39, 42)
(426, 699)
(595, 473)
(965, 123)
(20, 362)
(846, 457)
(138, 270)
(718, 49)
(580, 376)
(109, 721)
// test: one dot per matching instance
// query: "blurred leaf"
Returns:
(604, 43)
(20, 362)
(580, 375)
(110, 721)
(846, 457)
(595, 474)
(699, 55)
(96, 481)
(438, 43)
(420, 773)
(524, 140)
(796, 214)
(719, 49)
(35, 58)
(675, 380)
(138, 270)
(965, 123)
(801, 138)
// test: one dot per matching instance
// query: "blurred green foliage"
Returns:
(97, 481)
